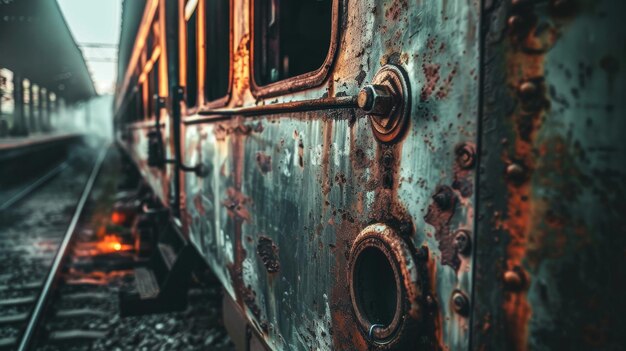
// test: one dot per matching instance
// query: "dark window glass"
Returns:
(291, 37)
(153, 88)
(140, 109)
(217, 49)
(192, 59)
(149, 104)
(150, 43)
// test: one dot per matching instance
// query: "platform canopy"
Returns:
(36, 42)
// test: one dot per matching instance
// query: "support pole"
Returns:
(19, 126)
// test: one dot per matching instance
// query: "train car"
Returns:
(378, 174)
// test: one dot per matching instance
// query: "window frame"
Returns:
(300, 82)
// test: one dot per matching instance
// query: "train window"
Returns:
(192, 58)
(148, 87)
(154, 80)
(290, 38)
(139, 98)
(217, 48)
(153, 88)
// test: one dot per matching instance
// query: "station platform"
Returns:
(22, 158)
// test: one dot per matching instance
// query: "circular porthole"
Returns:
(383, 284)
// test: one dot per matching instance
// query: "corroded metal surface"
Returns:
(551, 215)
(521, 96)
(290, 191)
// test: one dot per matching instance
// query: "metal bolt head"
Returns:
(515, 172)
(528, 89)
(465, 155)
(515, 22)
(460, 303)
(513, 280)
(462, 242)
(201, 170)
(443, 198)
(376, 99)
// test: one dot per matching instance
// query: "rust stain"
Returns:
(235, 204)
(220, 132)
(446, 85)
(396, 9)
(264, 162)
(431, 309)
(249, 298)
(268, 252)
(345, 333)
(241, 67)
(439, 214)
(431, 73)
(529, 41)
(197, 201)
(463, 169)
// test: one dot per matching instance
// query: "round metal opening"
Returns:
(375, 287)
(383, 285)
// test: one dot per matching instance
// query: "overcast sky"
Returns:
(96, 22)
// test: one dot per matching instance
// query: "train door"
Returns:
(338, 206)
(146, 132)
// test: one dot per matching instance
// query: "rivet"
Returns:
(528, 89)
(443, 199)
(515, 172)
(460, 303)
(376, 99)
(513, 280)
(515, 22)
(462, 242)
(465, 155)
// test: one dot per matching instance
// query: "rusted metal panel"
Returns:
(137, 146)
(551, 213)
(210, 207)
(290, 192)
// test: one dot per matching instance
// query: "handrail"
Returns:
(283, 107)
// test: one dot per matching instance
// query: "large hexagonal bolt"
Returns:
(376, 99)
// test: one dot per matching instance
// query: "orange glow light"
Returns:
(111, 243)
(117, 218)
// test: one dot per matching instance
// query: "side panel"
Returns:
(551, 223)
(288, 193)
(159, 179)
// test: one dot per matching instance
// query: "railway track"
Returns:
(63, 275)
(22, 192)
(35, 238)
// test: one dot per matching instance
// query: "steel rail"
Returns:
(34, 185)
(37, 312)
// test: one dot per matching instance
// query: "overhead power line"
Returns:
(98, 45)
